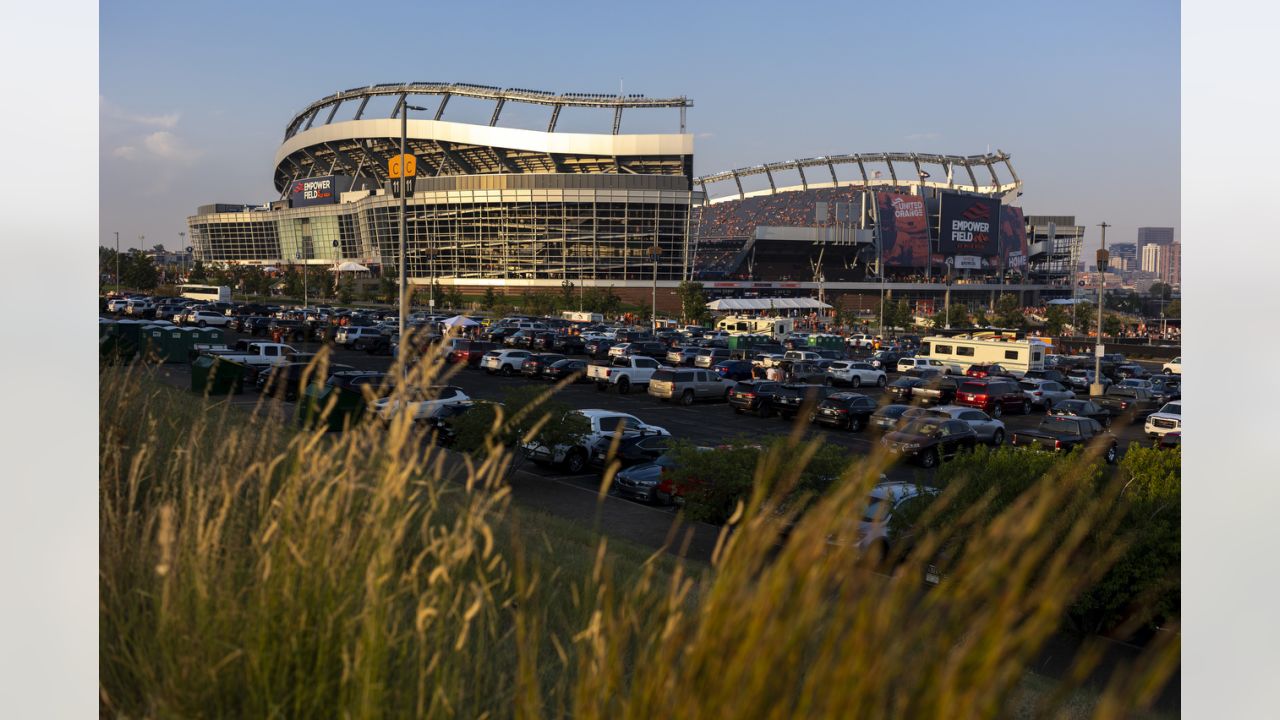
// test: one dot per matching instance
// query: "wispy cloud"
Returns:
(166, 120)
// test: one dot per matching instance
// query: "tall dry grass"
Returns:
(251, 570)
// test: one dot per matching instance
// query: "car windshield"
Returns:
(1172, 409)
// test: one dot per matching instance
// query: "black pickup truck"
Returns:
(1064, 432)
(1129, 403)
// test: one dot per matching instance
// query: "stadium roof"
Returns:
(767, 304)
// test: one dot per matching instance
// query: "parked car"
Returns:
(1082, 378)
(849, 410)
(856, 373)
(355, 337)
(623, 373)
(754, 396)
(1045, 393)
(422, 403)
(469, 352)
(535, 366)
(734, 369)
(1174, 366)
(507, 362)
(1129, 402)
(208, 318)
(988, 429)
(1046, 374)
(709, 356)
(1083, 408)
(561, 369)
(283, 330)
(900, 389)
(1166, 387)
(987, 370)
(677, 356)
(886, 360)
(792, 398)
(1129, 370)
(993, 395)
(600, 424)
(1057, 433)
(1167, 419)
(930, 440)
(285, 380)
(886, 418)
(936, 389)
(631, 450)
(689, 384)
(921, 363)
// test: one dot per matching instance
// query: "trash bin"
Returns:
(200, 368)
(348, 407)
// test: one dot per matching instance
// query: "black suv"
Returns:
(847, 410)
(791, 398)
(754, 396)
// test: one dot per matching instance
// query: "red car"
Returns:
(981, 371)
(993, 395)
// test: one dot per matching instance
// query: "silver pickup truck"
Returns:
(689, 384)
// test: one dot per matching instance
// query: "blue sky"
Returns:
(1084, 95)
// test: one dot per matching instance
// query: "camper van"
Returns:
(958, 352)
(775, 327)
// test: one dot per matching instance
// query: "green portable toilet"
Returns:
(226, 377)
(151, 342)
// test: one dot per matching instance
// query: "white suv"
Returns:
(857, 374)
(506, 362)
(1173, 366)
(923, 363)
(355, 337)
(203, 318)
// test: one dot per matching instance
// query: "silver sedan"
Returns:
(989, 429)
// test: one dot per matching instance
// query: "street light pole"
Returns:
(655, 251)
(117, 263)
(404, 295)
(1096, 388)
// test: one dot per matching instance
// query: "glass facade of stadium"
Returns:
(532, 228)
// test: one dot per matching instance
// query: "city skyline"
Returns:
(1094, 135)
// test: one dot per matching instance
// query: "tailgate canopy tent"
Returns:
(736, 304)
(351, 267)
(459, 320)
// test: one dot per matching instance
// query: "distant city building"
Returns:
(1153, 258)
(1172, 273)
(1155, 235)
(1124, 257)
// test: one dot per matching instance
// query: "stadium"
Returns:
(516, 209)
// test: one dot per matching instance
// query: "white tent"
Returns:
(349, 266)
(459, 320)
(767, 304)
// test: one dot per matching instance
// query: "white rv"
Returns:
(775, 327)
(959, 352)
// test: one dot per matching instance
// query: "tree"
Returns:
(566, 293)
(693, 303)
(1173, 309)
(453, 298)
(490, 299)
(388, 289)
(898, 315)
(1009, 312)
(980, 318)
(346, 291)
(1056, 318)
(958, 315)
(1160, 291)
(138, 271)
(1112, 324)
(1085, 318)
(198, 272)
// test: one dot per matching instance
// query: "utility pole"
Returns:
(117, 263)
(1096, 388)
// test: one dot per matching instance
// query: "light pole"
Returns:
(656, 252)
(1096, 388)
(404, 282)
(304, 287)
(117, 263)
(182, 244)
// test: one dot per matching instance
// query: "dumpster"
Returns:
(348, 407)
(215, 376)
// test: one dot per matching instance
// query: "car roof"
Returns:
(598, 412)
(899, 490)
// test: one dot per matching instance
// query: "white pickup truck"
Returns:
(257, 354)
(624, 372)
(602, 425)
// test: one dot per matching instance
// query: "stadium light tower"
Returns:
(404, 281)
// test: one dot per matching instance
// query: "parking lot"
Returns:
(704, 423)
